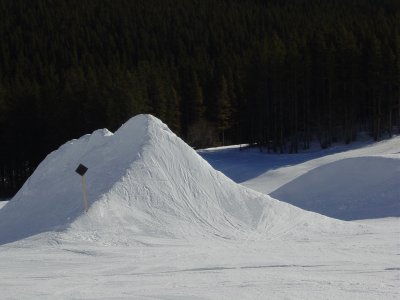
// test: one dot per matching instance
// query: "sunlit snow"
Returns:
(163, 224)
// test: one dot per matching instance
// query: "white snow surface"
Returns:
(2, 203)
(353, 188)
(163, 224)
(143, 182)
(347, 182)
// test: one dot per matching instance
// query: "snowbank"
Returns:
(2, 203)
(143, 182)
(348, 189)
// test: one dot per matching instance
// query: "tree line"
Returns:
(276, 73)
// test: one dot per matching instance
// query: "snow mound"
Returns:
(348, 189)
(2, 203)
(143, 182)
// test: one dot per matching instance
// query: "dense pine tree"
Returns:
(274, 73)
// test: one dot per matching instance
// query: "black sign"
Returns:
(81, 170)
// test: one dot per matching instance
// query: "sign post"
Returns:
(81, 170)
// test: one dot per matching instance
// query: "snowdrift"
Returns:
(143, 181)
(348, 189)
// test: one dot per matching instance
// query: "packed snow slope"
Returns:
(349, 189)
(143, 182)
(347, 182)
(2, 203)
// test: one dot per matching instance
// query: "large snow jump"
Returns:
(143, 181)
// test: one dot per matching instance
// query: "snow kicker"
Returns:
(142, 182)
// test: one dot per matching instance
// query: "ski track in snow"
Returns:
(164, 225)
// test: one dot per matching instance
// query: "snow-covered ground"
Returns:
(2, 203)
(163, 224)
(347, 182)
(342, 266)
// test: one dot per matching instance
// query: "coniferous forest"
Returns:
(276, 74)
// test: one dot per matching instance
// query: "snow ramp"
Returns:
(348, 189)
(143, 182)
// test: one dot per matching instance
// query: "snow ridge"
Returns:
(348, 189)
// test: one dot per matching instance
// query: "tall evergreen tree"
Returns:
(224, 108)
(267, 73)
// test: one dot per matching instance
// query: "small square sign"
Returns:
(81, 170)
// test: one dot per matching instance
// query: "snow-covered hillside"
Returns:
(163, 224)
(348, 182)
(353, 188)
